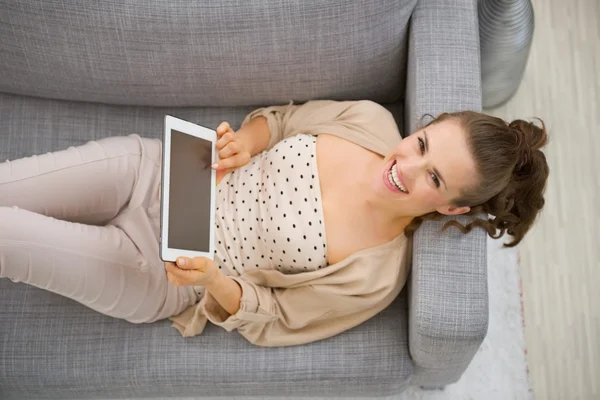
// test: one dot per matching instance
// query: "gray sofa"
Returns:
(75, 70)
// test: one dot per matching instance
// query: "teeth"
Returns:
(391, 180)
(394, 180)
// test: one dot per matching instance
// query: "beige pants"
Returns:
(84, 223)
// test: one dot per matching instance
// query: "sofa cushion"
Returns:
(204, 53)
(53, 347)
(31, 125)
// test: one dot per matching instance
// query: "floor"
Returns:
(560, 259)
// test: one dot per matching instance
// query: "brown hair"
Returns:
(512, 175)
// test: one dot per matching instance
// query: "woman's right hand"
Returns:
(233, 151)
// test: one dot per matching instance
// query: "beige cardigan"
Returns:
(282, 310)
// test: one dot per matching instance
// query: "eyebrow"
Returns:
(434, 169)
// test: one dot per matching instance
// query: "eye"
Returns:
(422, 146)
(435, 179)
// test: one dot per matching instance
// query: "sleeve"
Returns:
(364, 122)
(292, 316)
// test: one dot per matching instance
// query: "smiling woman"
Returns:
(498, 167)
(315, 204)
(431, 167)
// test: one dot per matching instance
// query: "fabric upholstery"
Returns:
(224, 53)
(54, 348)
(448, 317)
(443, 73)
(448, 301)
(30, 125)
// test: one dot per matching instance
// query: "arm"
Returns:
(255, 134)
(365, 123)
(273, 309)
(226, 292)
(282, 317)
(448, 311)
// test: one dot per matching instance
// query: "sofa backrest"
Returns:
(204, 53)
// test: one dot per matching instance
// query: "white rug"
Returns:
(499, 369)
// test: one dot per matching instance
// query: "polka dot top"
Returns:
(269, 214)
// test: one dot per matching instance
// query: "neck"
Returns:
(391, 223)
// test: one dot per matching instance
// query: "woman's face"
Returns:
(426, 171)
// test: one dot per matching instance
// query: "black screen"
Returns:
(189, 195)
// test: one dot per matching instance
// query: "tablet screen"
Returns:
(189, 193)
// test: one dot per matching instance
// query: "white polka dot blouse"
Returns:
(269, 214)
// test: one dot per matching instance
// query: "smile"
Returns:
(393, 181)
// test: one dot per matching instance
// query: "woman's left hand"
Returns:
(198, 271)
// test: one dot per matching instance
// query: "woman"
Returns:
(314, 207)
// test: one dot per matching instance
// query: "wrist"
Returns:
(247, 143)
(216, 283)
(227, 292)
(255, 135)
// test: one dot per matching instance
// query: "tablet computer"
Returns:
(188, 190)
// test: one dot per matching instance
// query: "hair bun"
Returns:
(530, 138)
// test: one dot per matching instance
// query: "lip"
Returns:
(386, 181)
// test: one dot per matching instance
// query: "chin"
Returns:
(381, 189)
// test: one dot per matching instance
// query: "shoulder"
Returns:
(371, 108)
(363, 122)
(363, 110)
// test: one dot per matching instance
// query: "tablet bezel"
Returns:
(172, 123)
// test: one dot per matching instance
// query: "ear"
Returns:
(452, 210)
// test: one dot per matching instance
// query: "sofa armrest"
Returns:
(448, 293)
(444, 72)
(448, 301)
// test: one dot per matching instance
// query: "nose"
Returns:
(411, 168)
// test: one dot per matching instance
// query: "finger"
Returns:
(225, 139)
(231, 149)
(170, 267)
(233, 162)
(222, 133)
(196, 263)
(176, 271)
(223, 128)
(173, 279)
(181, 277)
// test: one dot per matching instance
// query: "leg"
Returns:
(88, 184)
(96, 266)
